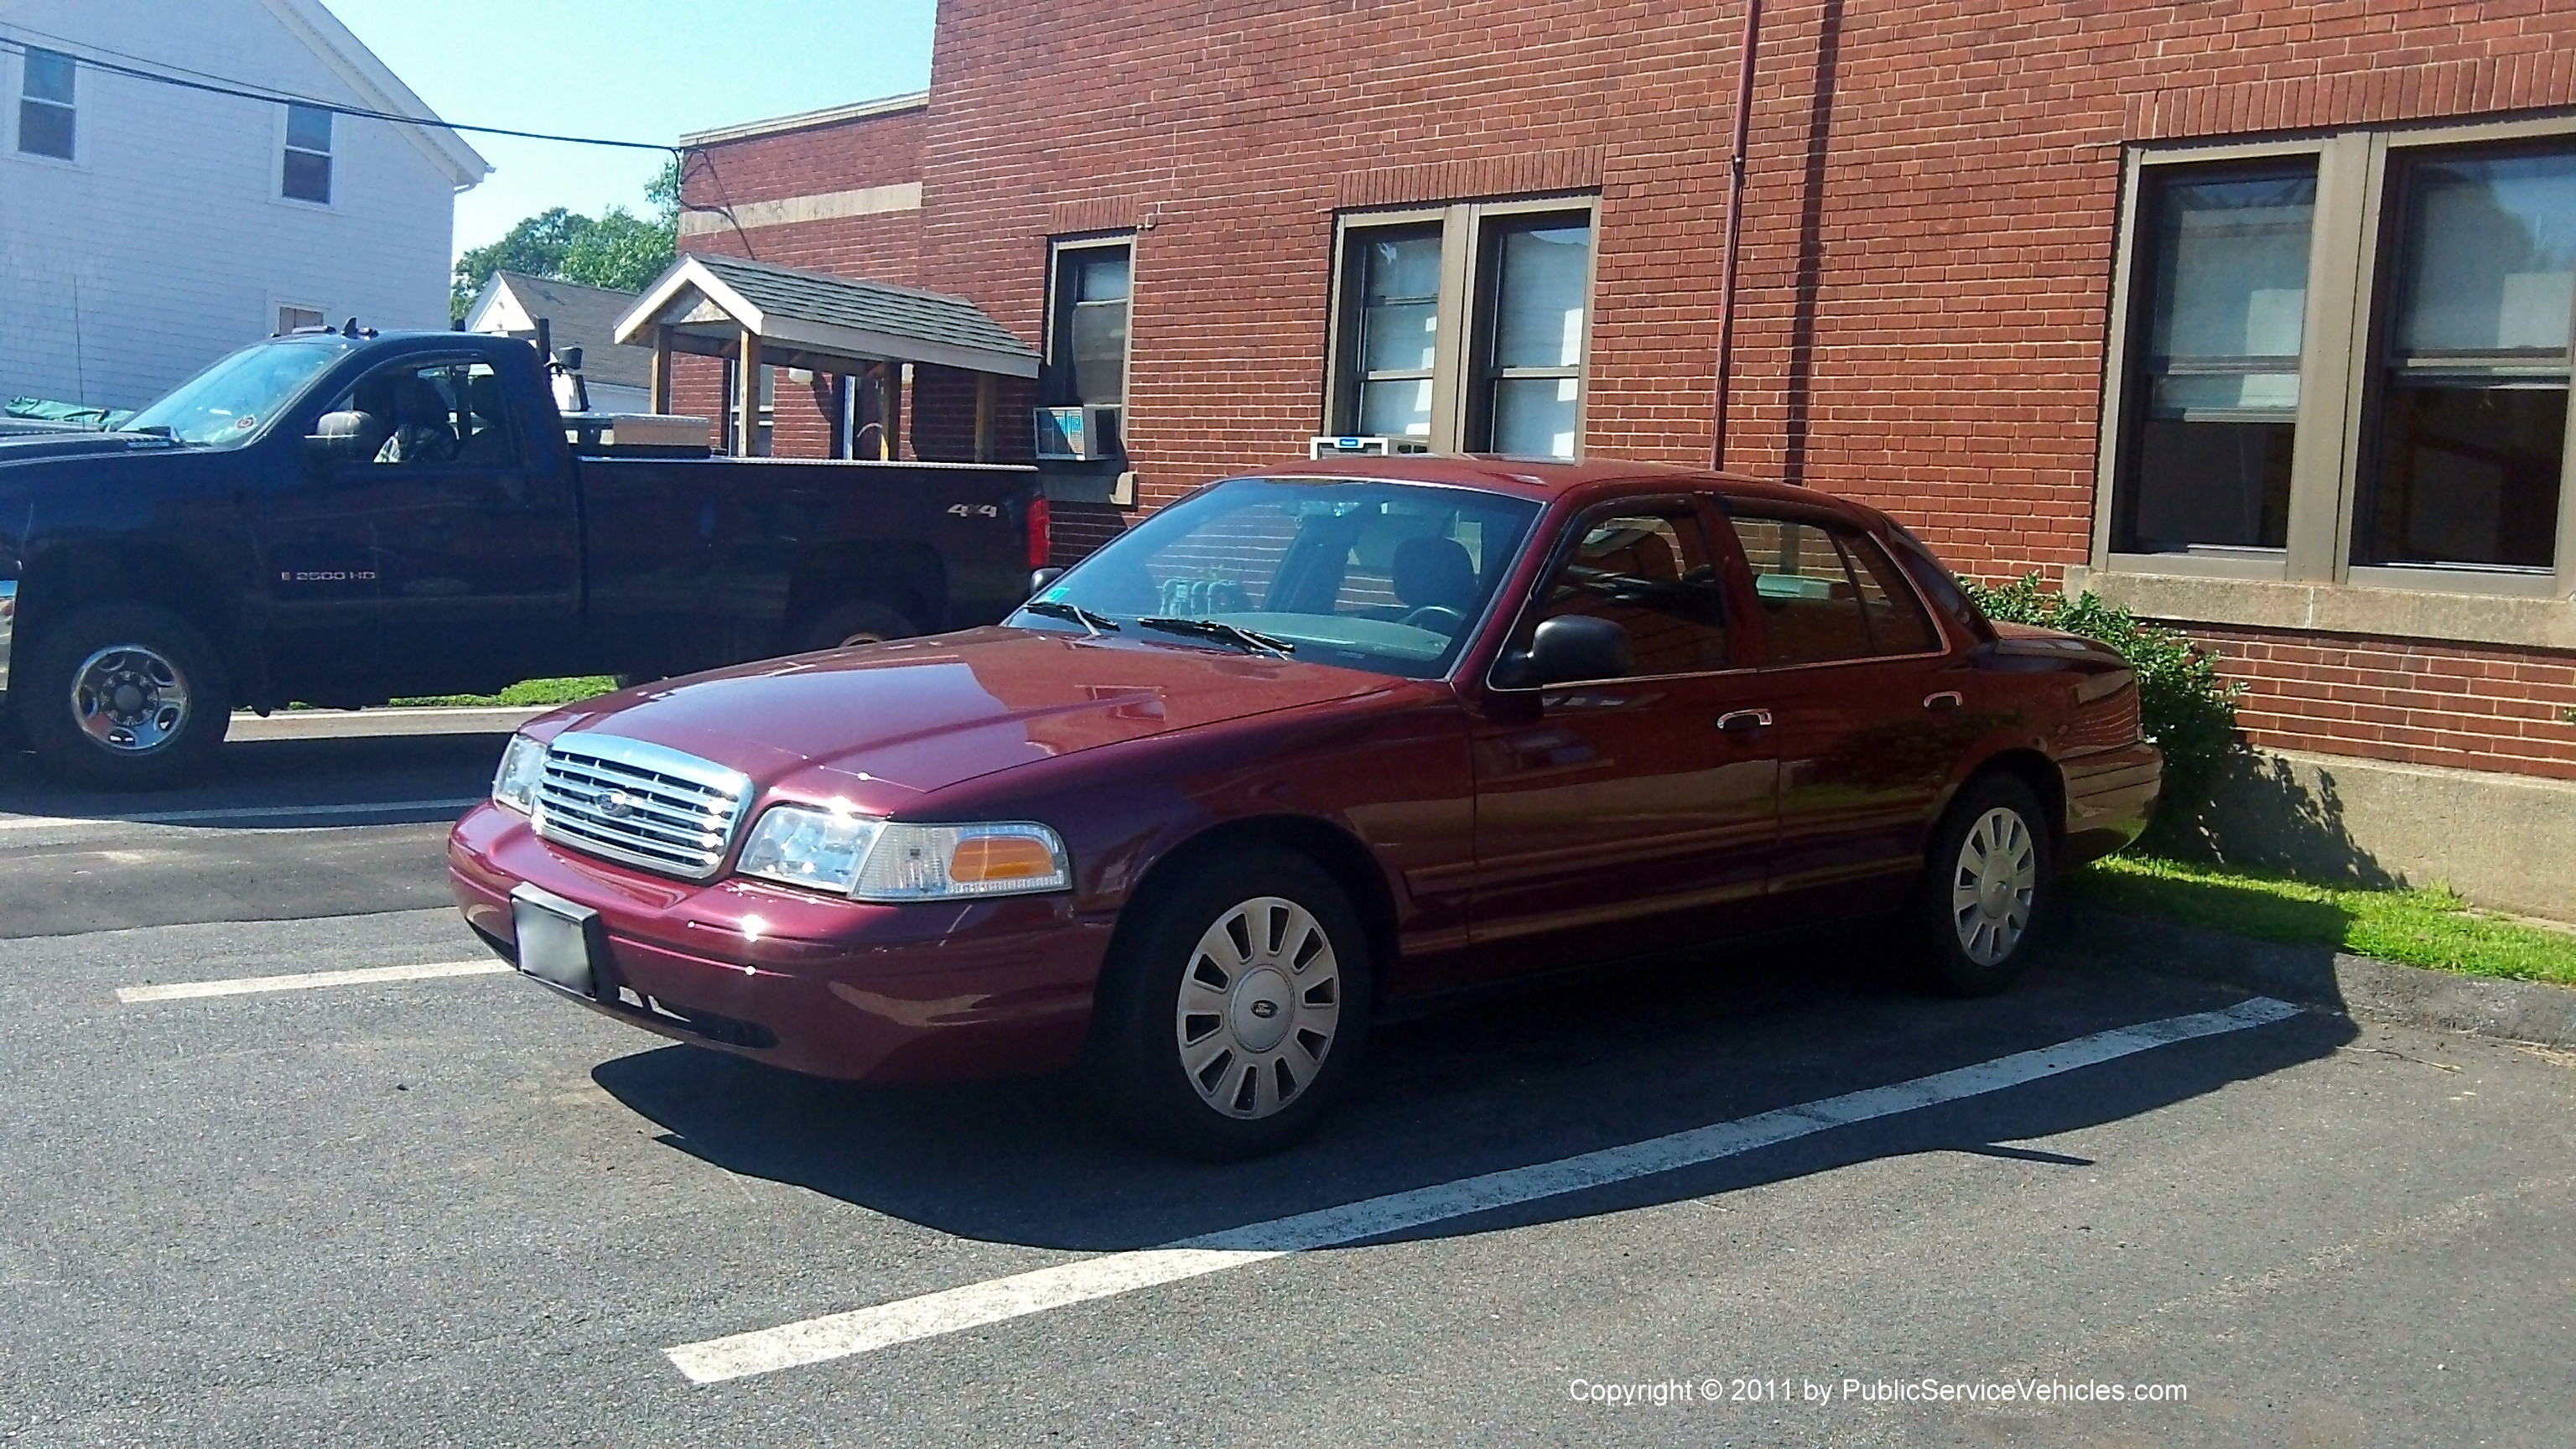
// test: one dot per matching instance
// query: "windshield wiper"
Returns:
(1230, 633)
(1058, 608)
(157, 430)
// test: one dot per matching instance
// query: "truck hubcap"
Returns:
(1258, 1007)
(129, 699)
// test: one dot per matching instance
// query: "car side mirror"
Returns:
(343, 437)
(1039, 579)
(1570, 647)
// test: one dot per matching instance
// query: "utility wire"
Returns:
(242, 90)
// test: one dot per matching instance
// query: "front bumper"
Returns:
(815, 984)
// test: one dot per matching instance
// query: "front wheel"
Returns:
(1235, 1007)
(126, 697)
(1986, 886)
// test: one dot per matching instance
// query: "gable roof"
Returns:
(576, 316)
(378, 87)
(817, 312)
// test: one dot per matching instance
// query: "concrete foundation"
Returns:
(2507, 842)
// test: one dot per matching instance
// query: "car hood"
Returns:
(882, 723)
(25, 448)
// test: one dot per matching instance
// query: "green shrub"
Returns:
(2187, 709)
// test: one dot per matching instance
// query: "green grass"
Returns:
(2419, 927)
(529, 692)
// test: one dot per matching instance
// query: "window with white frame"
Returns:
(307, 167)
(2347, 360)
(47, 108)
(1465, 326)
(291, 317)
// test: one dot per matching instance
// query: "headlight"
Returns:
(522, 765)
(801, 846)
(872, 860)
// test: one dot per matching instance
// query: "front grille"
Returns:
(671, 813)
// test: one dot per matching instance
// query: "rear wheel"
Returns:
(1987, 885)
(861, 621)
(1235, 1007)
(125, 696)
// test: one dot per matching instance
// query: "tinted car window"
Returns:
(1830, 593)
(1651, 572)
(1361, 574)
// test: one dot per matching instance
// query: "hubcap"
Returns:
(129, 699)
(1993, 886)
(1258, 1007)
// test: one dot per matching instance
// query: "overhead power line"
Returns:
(250, 91)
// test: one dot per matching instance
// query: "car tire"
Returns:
(1987, 888)
(844, 626)
(125, 697)
(1213, 1051)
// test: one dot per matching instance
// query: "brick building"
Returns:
(2252, 315)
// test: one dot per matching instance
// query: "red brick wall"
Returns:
(1926, 260)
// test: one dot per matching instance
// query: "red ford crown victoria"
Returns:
(1298, 748)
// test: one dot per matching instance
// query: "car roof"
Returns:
(1544, 480)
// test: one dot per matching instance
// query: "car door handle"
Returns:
(1743, 721)
(1946, 699)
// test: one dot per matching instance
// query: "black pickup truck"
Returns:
(343, 518)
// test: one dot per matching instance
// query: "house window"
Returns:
(1465, 327)
(2215, 403)
(290, 318)
(45, 105)
(1089, 286)
(2346, 360)
(2465, 462)
(307, 176)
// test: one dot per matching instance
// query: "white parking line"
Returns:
(239, 812)
(840, 1335)
(246, 985)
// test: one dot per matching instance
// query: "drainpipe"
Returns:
(1734, 230)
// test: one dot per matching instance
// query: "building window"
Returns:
(2464, 465)
(2215, 403)
(307, 176)
(1465, 327)
(2347, 360)
(45, 106)
(1090, 282)
(291, 318)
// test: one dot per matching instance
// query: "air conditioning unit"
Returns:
(1078, 434)
(1372, 446)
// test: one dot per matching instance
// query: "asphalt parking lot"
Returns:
(1735, 1200)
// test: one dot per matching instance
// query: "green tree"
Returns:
(615, 249)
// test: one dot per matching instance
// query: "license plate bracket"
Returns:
(561, 942)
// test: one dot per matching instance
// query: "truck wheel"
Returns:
(1234, 1008)
(126, 697)
(861, 621)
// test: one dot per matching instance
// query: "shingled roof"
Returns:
(576, 316)
(819, 315)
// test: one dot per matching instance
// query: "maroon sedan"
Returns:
(1298, 748)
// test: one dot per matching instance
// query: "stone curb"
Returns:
(2311, 976)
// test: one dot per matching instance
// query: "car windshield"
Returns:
(225, 404)
(1387, 577)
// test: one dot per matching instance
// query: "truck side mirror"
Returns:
(1041, 578)
(344, 437)
(1567, 648)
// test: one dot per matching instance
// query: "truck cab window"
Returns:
(436, 415)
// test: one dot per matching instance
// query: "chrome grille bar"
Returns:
(642, 804)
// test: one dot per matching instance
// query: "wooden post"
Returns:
(890, 411)
(983, 417)
(661, 369)
(746, 397)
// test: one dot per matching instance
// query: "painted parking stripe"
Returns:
(840, 1335)
(239, 812)
(306, 981)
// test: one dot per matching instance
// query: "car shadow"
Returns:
(1478, 1090)
(284, 774)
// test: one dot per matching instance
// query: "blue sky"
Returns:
(637, 70)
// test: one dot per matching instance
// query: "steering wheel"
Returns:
(1438, 618)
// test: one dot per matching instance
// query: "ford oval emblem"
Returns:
(1265, 1009)
(615, 804)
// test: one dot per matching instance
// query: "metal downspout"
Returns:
(1734, 230)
